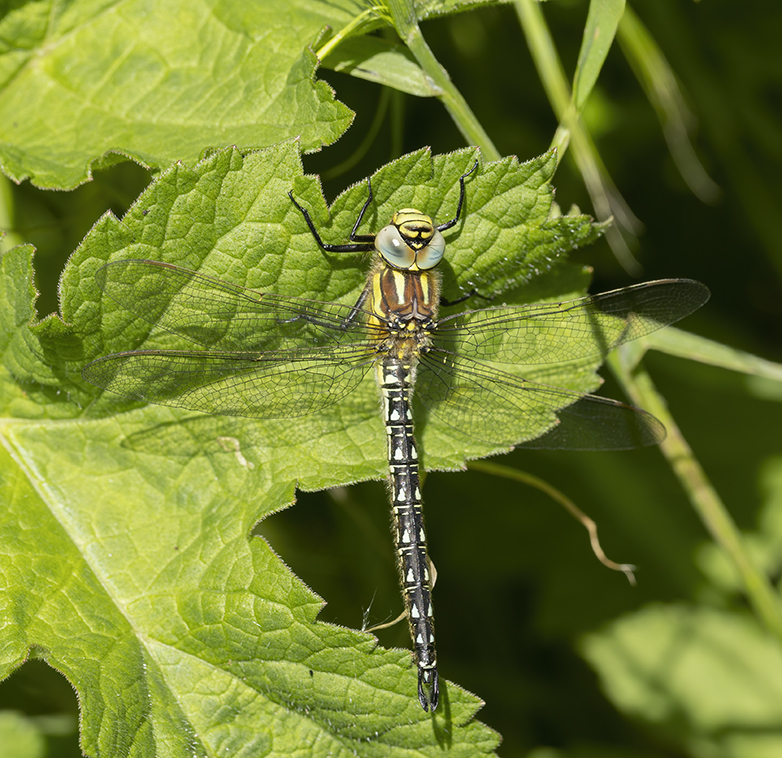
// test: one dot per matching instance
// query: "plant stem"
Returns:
(605, 197)
(497, 469)
(707, 503)
(406, 25)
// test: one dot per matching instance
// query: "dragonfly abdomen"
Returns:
(395, 379)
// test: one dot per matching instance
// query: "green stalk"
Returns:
(547, 62)
(406, 25)
(523, 477)
(707, 503)
(351, 28)
(605, 197)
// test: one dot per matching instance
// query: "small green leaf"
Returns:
(686, 345)
(378, 60)
(436, 8)
(31, 380)
(599, 32)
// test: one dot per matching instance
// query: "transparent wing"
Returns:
(276, 384)
(570, 331)
(220, 316)
(502, 409)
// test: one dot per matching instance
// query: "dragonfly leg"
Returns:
(361, 243)
(452, 222)
(444, 302)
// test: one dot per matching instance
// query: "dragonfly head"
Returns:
(411, 241)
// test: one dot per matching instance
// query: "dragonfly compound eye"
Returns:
(430, 255)
(394, 250)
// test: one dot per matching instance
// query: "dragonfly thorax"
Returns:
(411, 241)
(403, 299)
(406, 341)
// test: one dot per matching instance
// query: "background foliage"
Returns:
(569, 659)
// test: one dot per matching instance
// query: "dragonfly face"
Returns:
(410, 241)
(262, 355)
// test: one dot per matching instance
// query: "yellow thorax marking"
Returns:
(399, 284)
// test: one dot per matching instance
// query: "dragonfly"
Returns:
(267, 356)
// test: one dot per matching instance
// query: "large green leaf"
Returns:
(126, 562)
(92, 81)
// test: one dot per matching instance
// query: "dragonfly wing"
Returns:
(217, 315)
(277, 384)
(502, 409)
(600, 423)
(570, 331)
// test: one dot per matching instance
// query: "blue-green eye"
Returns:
(430, 255)
(395, 251)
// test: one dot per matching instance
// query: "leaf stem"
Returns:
(605, 197)
(406, 25)
(496, 469)
(353, 27)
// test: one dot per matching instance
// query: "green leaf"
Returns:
(181, 636)
(686, 345)
(230, 217)
(599, 32)
(425, 9)
(711, 680)
(662, 88)
(158, 82)
(378, 60)
(31, 380)
(125, 559)
(511, 234)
